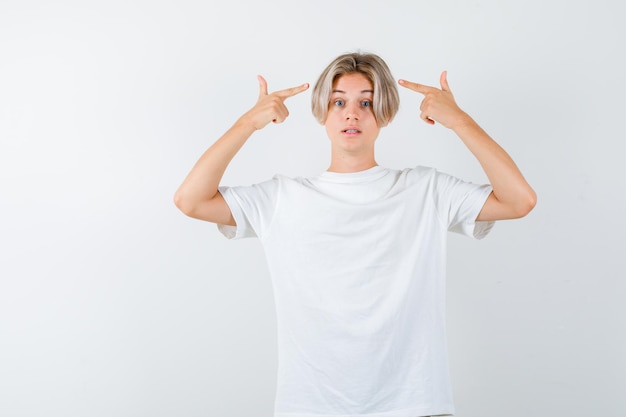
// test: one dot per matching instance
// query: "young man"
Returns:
(357, 253)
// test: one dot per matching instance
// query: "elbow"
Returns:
(183, 204)
(527, 204)
(179, 201)
(201, 209)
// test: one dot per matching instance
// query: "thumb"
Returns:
(443, 80)
(262, 86)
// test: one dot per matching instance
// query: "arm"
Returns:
(198, 195)
(512, 196)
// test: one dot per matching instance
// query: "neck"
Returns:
(347, 163)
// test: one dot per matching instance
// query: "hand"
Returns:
(271, 107)
(438, 105)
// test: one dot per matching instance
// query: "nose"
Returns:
(352, 112)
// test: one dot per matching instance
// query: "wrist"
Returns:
(461, 122)
(246, 124)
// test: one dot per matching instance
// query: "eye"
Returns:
(339, 102)
(366, 103)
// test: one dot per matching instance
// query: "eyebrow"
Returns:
(362, 91)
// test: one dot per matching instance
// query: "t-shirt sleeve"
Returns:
(252, 208)
(459, 203)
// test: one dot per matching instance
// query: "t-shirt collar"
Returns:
(359, 176)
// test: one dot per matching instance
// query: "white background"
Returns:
(113, 303)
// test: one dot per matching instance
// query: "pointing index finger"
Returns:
(290, 92)
(420, 88)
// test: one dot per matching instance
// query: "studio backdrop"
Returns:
(113, 303)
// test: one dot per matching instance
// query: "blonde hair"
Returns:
(386, 99)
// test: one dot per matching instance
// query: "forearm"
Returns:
(201, 184)
(198, 195)
(510, 187)
(512, 196)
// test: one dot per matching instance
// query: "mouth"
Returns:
(351, 131)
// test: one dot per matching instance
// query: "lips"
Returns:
(351, 130)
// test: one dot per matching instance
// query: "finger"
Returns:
(420, 88)
(427, 119)
(262, 86)
(423, 105)
(281, 117)
(280, 112)
(290, 92)
(443, 80)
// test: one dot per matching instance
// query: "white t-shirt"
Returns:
(358, 266)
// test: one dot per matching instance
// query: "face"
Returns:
(350, 124)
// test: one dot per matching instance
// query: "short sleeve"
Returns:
(459, 203)
(252, 207)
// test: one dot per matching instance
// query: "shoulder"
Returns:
(431, 174)
(420, 171)
(417, 175)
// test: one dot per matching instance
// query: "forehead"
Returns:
(353, 82)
